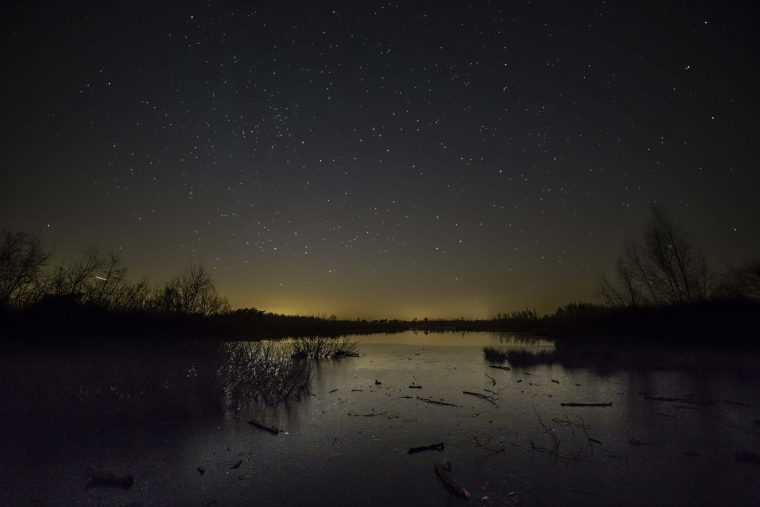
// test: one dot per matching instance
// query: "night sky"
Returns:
(392, 159)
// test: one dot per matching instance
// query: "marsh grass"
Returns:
(265, 373)
(519, 358)
(494, 355)
(525, 359)
(319, 347)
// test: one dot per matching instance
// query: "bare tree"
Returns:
(132, 296)
(609, 293)
(742, 282)
(106, 284)
(677, 266)
(73, 279)
(665, 268)
(21, 263)
(192, 292)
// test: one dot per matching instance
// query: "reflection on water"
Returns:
(262, 373)
(115, 383)
(670, 436)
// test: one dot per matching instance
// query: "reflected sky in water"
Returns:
(346, 442)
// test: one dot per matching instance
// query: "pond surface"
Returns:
(670, 437)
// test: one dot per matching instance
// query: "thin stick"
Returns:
(609, 404)
(433, 447)
(481, 396)
(264, 427)
(435, 402)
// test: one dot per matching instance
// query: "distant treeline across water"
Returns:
(662, 290)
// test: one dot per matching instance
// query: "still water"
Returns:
(670, 437)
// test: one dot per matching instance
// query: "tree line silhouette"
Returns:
(93, 298)
(661, 288)
(99, 280)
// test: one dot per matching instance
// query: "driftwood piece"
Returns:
(749, 457)
(573, 404)
(736, 403)
(443, 471)
(414, 386)
(497, 367)
(436, 402)
(481, 396)
(677, 400)
(109, 480)
(368, 414)
(433, 447)
(264, 427)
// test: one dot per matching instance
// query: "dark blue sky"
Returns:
(381, 159)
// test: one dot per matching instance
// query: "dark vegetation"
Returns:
(662, 289)
(140, 382)
(92, 298)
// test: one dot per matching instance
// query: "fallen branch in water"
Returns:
(436, 402)
(505, 368)
(481, 396)
(443, 471)
(341, 354)
(413, 386)
(677, 400)
(433, 447)
(368, 414)
(736, 403)
(109, 480)
(573, 404)
(264, 427)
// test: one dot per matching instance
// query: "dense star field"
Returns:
(380, 159)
